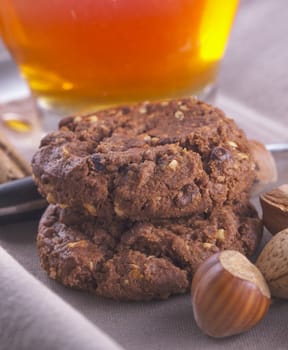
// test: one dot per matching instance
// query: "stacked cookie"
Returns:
(141, 195)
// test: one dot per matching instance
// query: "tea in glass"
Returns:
(83, 55)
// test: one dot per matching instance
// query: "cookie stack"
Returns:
(141, 195)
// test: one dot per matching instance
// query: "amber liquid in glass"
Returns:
(86, 54)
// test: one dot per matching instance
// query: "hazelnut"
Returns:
(229, 294)
(265, 167)
(275, 209)
(273, 263)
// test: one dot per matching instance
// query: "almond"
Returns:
(273, 263)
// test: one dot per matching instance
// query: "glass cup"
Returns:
(79, 56)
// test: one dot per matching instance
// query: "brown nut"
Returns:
(229, 294)
(273, 263)
(275, 209)
(12, 164)
(265, 167)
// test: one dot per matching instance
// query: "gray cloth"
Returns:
(32, 317)
(254, 74)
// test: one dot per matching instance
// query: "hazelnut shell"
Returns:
(265, 167)
(229, 294)
(275, 209)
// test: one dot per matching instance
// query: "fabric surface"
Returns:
(34, 318)
(254, 73)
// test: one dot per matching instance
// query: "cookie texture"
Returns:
(127, 260)
(163, 159)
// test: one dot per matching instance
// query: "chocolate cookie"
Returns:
(162, 159)
(139, 261)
